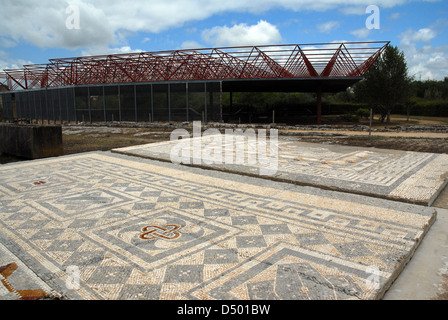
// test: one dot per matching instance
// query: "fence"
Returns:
(183, 101)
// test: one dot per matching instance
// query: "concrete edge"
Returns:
(437, 194)
(401, 265)
(278, 179)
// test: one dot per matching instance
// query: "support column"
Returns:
(152, 103)
(74, 106)
(35, 107)
(67, 106)
(119, 104)
(319, 105)
(60, 106)
(220, 101)
(205, 102)
(46, 106)
(41, 107)
(231, 103)
(186, 99)
(135, 103)
(104, 105)
(88, 104)
(169, 102)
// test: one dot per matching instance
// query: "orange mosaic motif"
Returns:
(168, 232)
(34, 294)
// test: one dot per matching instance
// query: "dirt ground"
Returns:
(85, 138)
(82, 139)
(433, 145)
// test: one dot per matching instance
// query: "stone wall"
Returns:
(31, 141)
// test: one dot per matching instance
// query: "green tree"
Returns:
(387, 82)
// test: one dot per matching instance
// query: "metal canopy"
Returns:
(296, 67)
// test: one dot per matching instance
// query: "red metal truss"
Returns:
(3, 81)
(321, 60)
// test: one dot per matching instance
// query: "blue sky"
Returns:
(31, 32)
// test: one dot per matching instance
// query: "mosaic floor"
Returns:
(17, 282)
(140, 229)
(406, 176)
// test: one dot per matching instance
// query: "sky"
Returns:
(32, 32)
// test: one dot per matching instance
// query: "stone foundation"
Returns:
(31, 141)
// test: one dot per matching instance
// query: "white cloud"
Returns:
(424, 62)
(104, 22)
(359, 7)
(6, 62)
(354, 10)
(395, 16)
(422, 35)
(242, 34)
(43, 24)
(427, 63)
(7, 42)
(361, 33)
(190, 45)
(105, 51)
(329, 26)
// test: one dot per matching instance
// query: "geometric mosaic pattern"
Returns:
(406, 176)
(8, 290)
(17, 282)
(142, 230)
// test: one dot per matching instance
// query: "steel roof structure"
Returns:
(334, 66)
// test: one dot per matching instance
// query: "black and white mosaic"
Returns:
(142, 230)
(415, 177)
